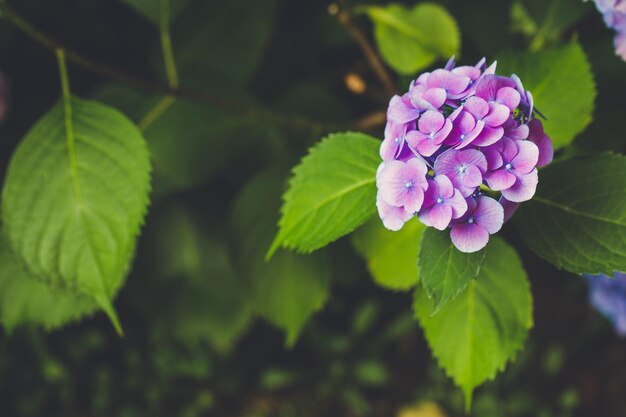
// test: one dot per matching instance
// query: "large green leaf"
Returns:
(26, 300)
(562, 85)
(332, 192)
(444, 270)
(290, 287)
(75, 196)
(156, 10)
(412, 39)
(577, 219)
(201, 298)
(391, 256)
(476, 334)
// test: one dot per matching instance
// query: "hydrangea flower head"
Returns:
(608, 296)
(614, 14)
(461, 151)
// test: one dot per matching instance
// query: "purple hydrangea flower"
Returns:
(457, 138)
(402, 184)
(442, 203)
(614, 14)
(484, 217)
(608, 296)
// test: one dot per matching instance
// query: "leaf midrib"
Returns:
(577, 212)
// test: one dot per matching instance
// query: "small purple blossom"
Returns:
(457, 138)
(484, 217)
(608, 296)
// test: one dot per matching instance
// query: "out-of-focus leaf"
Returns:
(289, 288)
(206, 300)
(24, 299)
(391, 256)
(332, 192)
(476, 334)
(562, 85)
(412, 39)
(75, 197)
(577, 218)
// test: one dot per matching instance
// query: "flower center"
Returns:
(462, 169)
(397, 140)
(470, 220)
(463, 136)
(439, 200)
(408, 185)
(432, 135)
(508, 167)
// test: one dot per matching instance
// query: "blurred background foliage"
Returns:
(199, 301)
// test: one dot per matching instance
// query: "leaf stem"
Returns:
(155, 112)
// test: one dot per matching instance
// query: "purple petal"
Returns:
(416, 170)
(488, 136)
(509, 208)
(437, 216)
(472, 72)
(498, 115)
(509, 149)
(472, 177)
(431, 121)
(414, 200)
(452, 83)
(493, 156)
(400, 111)
(500, 180)
(489, 214)
(509, 97)
(469, 238)
(477, 107)
(526, 158)
(389, 148)
(444, 186)
(473, 157)
(458, 204)
(435, 96)
(393, 217)
(523, 189)
(543, 142)
(427, 146)
(391, 180)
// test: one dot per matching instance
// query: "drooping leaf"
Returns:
(476, 334)
(75, 196)
(565, 97)
(391, 256)
(289, 288)
(577, 218)
(25, 300)
(156, 10)
(412, 39)
(444, 270)
(332, 192)
(202, 298)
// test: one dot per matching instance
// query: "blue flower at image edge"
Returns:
(608, 296)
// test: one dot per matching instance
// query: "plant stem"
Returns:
(369, 121)
(155, 112)
(374, 61)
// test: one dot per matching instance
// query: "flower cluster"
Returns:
(614, 13)
(459, 134)
(608, 296)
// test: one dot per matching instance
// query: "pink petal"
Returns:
(509, 97)
(393, 217)
(414, 200)
(477, 107)
(416, 170)
(426, 146)
(500, 180)
(471, 136)
(488, 136)
(435, 96)
(523, 189)
(452, 83)
(391, 181)
(472, 177)
(469, 238)
(509, 150)
(527, 156)
(458, 204)
(489, 214)
(494, 159)
(437, 216)
(389, 148)
(400, 111)
(444, 186)
(498, 115)
(431, 121)
(473, 157)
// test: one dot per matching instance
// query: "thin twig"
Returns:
(374, 61)
(367, 122)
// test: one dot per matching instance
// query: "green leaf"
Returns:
(156, 10)
(444, 270)
(332, 192)
(289, 288)
(476, 334)
(26, 300)
(391, 256)
(412, 39)
(545, 20)
(577, 218)
(75, 196)
(203, 298)
(558, 94)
